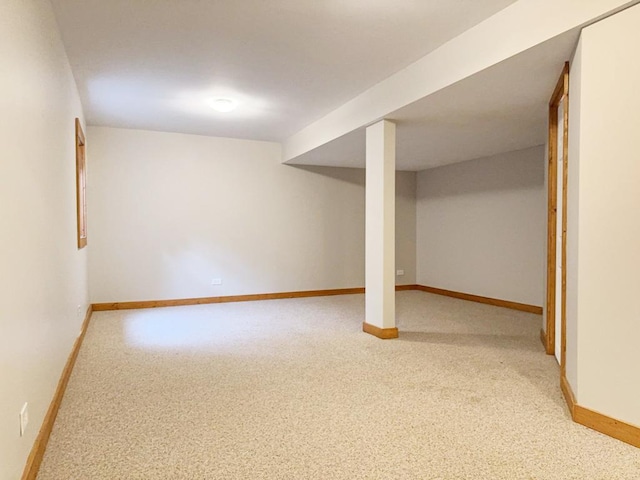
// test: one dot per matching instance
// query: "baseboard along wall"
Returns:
(523, 307)
(597, 421)
(97, 307)
(36, 455)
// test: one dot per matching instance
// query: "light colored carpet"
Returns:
(292, 389)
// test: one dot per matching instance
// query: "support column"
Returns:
(380, 295)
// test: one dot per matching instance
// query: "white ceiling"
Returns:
(153, 64)
(503, 108)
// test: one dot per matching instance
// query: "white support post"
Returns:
(380, 303)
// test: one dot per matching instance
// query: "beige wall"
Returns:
(43, 276)
(170, 212)
(604, 218)
(481, 226)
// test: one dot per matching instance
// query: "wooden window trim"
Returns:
(81, 186)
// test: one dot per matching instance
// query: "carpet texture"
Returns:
(292, 389)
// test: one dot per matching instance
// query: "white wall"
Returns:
(170, 212)
(43, 276)
(406, 188)
(481, 226)
(604, 213)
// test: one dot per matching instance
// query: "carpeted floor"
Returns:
(292, 389)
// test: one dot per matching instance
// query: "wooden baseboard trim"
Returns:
(617, 429)
(383, 333)
(569, 397)
(39, 446)
(97, 307)
(523, 307)
(543, 338)
(609, 426)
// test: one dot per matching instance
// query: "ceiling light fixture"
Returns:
(223, 105)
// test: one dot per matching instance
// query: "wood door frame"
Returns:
(561, 93)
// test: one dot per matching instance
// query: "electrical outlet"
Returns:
(24, 418)
(399, 273)
(79, 311)
(216, 281)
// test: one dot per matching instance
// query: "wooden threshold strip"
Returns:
(39, 446)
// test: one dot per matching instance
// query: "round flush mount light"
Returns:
(223, 105)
